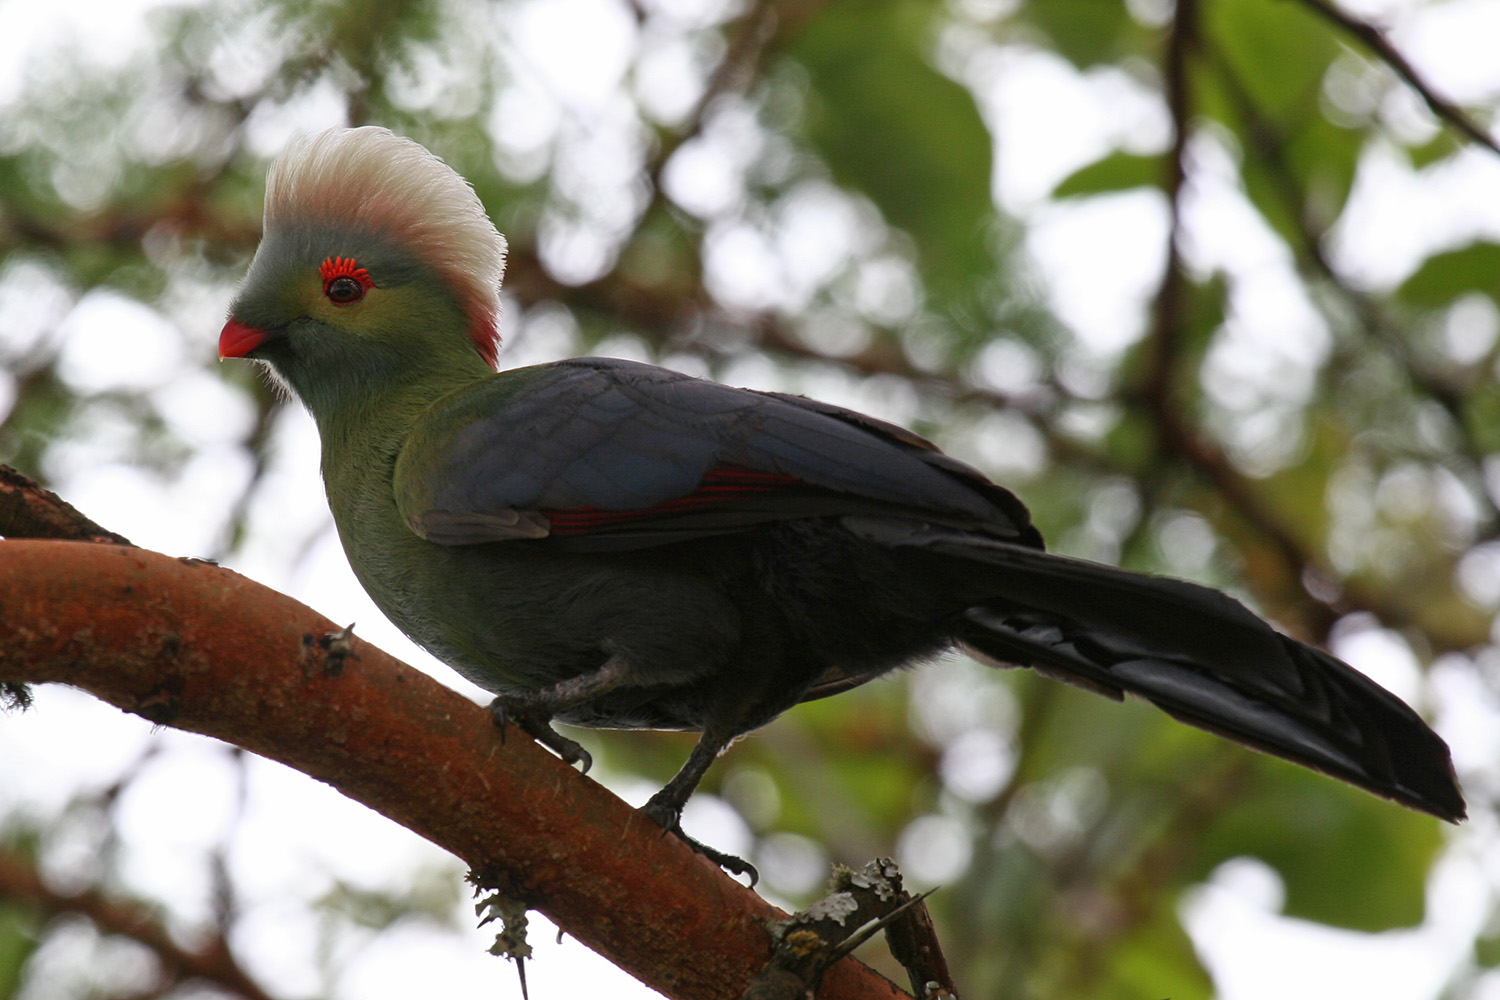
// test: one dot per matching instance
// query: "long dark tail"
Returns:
(1197, 653)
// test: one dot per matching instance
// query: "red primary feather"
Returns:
(720, 485)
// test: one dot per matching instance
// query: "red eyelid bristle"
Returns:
(343, 267)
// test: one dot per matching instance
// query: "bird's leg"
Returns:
(533, 711)
(665, 807)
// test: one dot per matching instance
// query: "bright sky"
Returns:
(296, 836)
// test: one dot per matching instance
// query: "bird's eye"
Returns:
(344, 281)
(342, 291)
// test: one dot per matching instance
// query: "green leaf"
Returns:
(1119, 171)
(1299, 173)
(1347, 859)
(1439, 147)
(1085, 32)
(1300, 490)
(1159, 961)
(1298, 166)
(1482, 415)
(19, 938)
(1487, 951)
(1279, 52)
(1447, 276)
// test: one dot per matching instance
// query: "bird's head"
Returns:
(377, 261)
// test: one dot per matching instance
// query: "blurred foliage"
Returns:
(804, 193)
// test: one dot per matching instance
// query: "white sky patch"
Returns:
(1051, 119)
(523, 124)
(1224, 230)
(1101, 259)
(105, 34)
(33, 303)
(85, 754)
(706, 175)
(690, 14)
(819, 229)
(1466, 707)
(703, 178)
(932, 850)
(1381, 655)
(203, 409)
(1397, 217)
(243, 62)
(1027, 93)
(579, 49)
(740, 267)
(1454, 44)
(573, 251)
(1234, 925)
(111, 341)
(271, 126)
(670, 75)
(976, 765)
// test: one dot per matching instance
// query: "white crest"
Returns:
(370, 178)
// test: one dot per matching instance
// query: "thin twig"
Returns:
(1375, 40)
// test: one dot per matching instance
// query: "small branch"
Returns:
(859, 905)
(1169, 304)
(914, 943)
(1375, 40)
(212, 963)
(191, 645)
(1158, 395)
(30, 510)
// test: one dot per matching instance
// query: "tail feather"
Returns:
(1198, 654)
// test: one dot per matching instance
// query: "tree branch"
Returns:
(188, 644)
(30, 510)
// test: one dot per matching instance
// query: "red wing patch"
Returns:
(720, 486)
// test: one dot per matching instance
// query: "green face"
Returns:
(341, 314)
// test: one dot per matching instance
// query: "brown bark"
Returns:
(194, 646)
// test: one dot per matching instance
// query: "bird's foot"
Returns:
(534, 716)
(668, 816)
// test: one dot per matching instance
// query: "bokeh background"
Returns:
(1213, 286)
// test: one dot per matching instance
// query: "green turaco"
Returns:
(612, 544)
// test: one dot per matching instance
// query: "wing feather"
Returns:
(602, 446)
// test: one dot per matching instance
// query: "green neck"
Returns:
(384, 412)
(365, 404)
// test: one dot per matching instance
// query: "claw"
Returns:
(670, 820)
(537, 721)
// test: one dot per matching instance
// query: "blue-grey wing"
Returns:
(606, 447)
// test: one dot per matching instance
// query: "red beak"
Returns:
(238, 340)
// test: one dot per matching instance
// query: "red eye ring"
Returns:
(344, 281)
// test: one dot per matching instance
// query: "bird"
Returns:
(611, 544)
